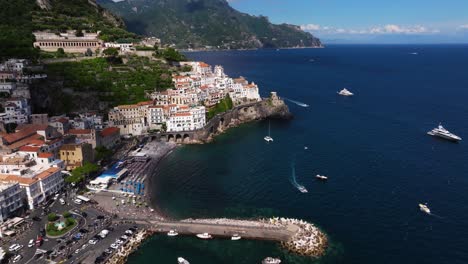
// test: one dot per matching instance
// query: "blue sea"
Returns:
(373, 147)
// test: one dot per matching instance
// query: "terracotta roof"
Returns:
(30, 149)
(27, 141)
(45, 155)
(79, 131)
(26, 131)
(19, 179)
(109, 131)
(204, 65)
(182, 114)
(145, 103)
(45, 174)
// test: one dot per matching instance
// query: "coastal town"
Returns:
(72, 183)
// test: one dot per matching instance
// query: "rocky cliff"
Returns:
(272, 107)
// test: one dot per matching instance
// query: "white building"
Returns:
(11, 199)
(17, 110)
(187, 120)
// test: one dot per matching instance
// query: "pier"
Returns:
(297, 236)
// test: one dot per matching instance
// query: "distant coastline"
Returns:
(247, 49)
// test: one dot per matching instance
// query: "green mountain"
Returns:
(200, 23)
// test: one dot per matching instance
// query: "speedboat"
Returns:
(345, 92)
(321, 177)
(424, 208)
(172, 233)
(181, 260)
(271, 260)
(236, 237)
(302, 189)
(268, 138)
(204, 236)
(441, 132)
(306, 148)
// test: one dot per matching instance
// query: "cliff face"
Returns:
(272, 107)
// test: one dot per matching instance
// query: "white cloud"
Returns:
(376, 30)
(310, 27)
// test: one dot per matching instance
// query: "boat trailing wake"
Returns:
(294, 182)
(296, 102)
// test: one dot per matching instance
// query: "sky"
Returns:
(369, 21)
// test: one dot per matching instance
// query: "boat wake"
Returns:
(296, 102)
(294, 182)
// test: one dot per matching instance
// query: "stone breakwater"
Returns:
(308, 240)
(121, 256)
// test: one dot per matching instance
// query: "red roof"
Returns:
(79, 131)
(45, 155)
(26, 131)
(109, 131)
(29, 148)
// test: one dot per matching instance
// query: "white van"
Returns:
(77, 201)
(104, 233)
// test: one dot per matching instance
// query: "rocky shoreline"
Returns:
(121, 256)
(308, 240)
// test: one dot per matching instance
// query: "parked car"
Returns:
(56, 196)
(14, 247)
(108, 251)
(92, 241)
(124, 237)
(31, 243)
(17, 258)
(62, 201)
(114, 246)
(77, 250)
(129, 232)
(36, 218)
(39, 241)
(77, 201)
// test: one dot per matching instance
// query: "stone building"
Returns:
(49, 41)
(75, 155)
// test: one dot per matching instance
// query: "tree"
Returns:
(102, 152)
(69, 221)
(173, 55)
(163, 127)
(67, 214)
(89, 52)
(60, 53)
(52, 217)
(79, 33)
(113, 52)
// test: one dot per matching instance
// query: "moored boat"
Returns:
(236, 237)
(204, 236)
(172, 233)
(270, 260)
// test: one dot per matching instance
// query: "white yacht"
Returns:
(424, 208)
(271, 260)
(321, 177)
(181, 260)
(345, 92)
(441, 132)
(268, 138)
(204, 236)
(302, 189)
(236, 237)
(172, 233)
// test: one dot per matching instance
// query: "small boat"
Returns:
(271, 260)
(414, 53)
(441, 132)
(302, 189)
(181, 260)
(424, 208)
(345, 92)
(172, 233)
(321, 177)
(204, 236)
(236, 237)
(268, 138)
(306, 148)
